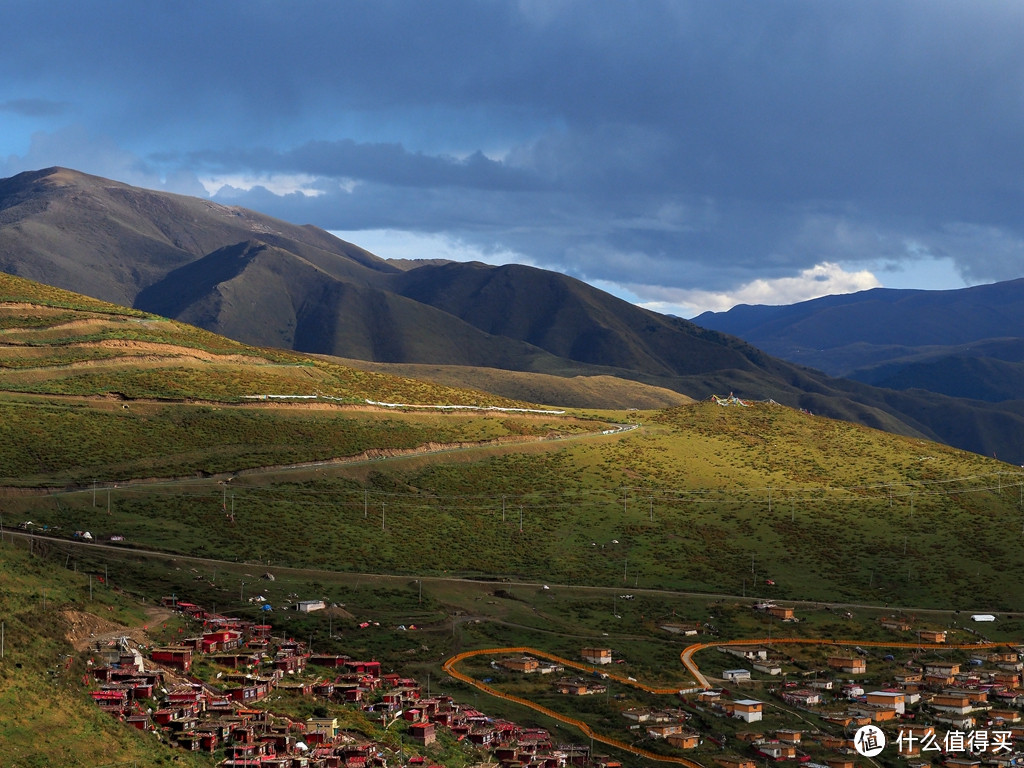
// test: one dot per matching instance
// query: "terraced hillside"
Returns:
(100, 391)
(57, 342)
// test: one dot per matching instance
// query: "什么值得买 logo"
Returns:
(869, 740)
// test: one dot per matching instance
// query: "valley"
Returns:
(341, 544)
(412, 625)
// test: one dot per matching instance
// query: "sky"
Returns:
(686, 156)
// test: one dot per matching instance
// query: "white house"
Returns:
(736, 675)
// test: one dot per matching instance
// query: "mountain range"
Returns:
(964, 343)
(267, 282)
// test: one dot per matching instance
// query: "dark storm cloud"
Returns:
(382, 163)
(711, 143)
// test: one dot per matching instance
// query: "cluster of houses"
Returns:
(967, 712)
(668, 724)
(919, 704)
(155, 691)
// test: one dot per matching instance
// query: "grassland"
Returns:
(57, 342)
(572, 391)
(699, 498)
(46, 715)
(109, 442)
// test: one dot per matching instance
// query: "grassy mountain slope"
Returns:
(46, 715)
(263, 281)
(594, 391)
(120, 371)
(700, 498)
(690, 496)
(58, 342)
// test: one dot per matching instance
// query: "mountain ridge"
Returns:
(263, 281)
(966, 342)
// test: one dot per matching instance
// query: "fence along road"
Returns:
(686, 657)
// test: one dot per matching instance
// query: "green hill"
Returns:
(46, 715)
(146, 418)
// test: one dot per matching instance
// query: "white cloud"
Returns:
(277, 183)
(403, 244)
(820, 280)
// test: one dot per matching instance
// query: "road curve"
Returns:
(449, 667)
(686, 657)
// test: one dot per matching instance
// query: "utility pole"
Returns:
(94, 492)
(366, 503)
(382, 516)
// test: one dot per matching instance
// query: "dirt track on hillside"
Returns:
(85, 629)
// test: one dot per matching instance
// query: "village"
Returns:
(934, 700)
(155, 690)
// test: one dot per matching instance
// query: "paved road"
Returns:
(509, 583)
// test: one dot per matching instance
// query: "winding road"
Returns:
(686, 657)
